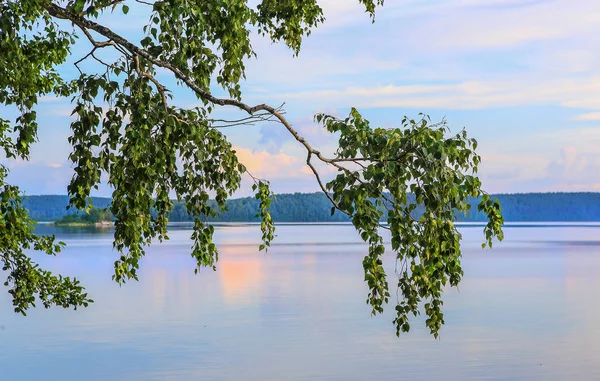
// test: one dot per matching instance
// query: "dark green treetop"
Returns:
(151, 149)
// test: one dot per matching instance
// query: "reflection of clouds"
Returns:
(240, 274)
(541, 321)
(310, 259)
(169, 289)
(527, 312)
(158, 287)
(184, 288)
(582, 291)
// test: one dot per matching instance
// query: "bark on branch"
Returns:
(121, 43)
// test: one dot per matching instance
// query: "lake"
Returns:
(527, 309)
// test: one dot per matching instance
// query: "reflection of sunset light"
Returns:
(239, 275)
(570, 283)
(309, 259)
(158, 287)
(183, 285)
(578, 273)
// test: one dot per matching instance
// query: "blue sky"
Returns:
(522, 76)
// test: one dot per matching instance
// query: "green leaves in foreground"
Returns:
(398, 170)
(26, 280)
(264, 195)
(128, 132)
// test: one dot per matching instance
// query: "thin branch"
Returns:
(117, 40)
(374, 160)
(102, 44)
(242, 120)
(161, 89)
(316, 173)
(97, 44)
(102, 62)
(254, 178)
(248, 121)
(84, 58)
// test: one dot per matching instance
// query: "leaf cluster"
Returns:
(420, 159)
(125, 129)
(26, 280)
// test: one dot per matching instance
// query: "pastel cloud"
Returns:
(39, 177)
(274, 137)
(269, 165)
(588, 116)
(572, 170)
(574, 93)
(455, 55)
(478, 61)
(575, 170)
(501, 26)
(287, 172)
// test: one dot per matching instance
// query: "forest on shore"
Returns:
(314, 207)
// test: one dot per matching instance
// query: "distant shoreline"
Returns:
(513, 224)
(315, 207)
(102, 224)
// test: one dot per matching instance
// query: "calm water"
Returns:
(529, 309)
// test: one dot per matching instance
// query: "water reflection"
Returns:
(240, 274)
(526, 310)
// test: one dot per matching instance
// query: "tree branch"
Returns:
(316, 173)
(161, 89)
(119, 41)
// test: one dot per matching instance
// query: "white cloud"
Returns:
(455, 55)
(520, 91)
(504, 24)
(435, 54)
(48, 178)
(574, 170)
(588, 116)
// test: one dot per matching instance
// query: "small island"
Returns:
(95, 217)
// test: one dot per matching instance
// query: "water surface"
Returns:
(528, 309)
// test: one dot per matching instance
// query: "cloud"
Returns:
(49, 99)
(504, 172)
(570, 162)
(274, 137)
(287, 172)
(468, 95)
(505, 24)
(487, 58)
(460, 55)
(49, 178)
(267, 165)
(586, 140)
(572, 170)
(588, 116)
(316, 66)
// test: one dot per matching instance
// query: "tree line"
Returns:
(315, 207)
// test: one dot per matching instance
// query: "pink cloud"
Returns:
(270, 165)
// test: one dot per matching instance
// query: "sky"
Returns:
(521, 76)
